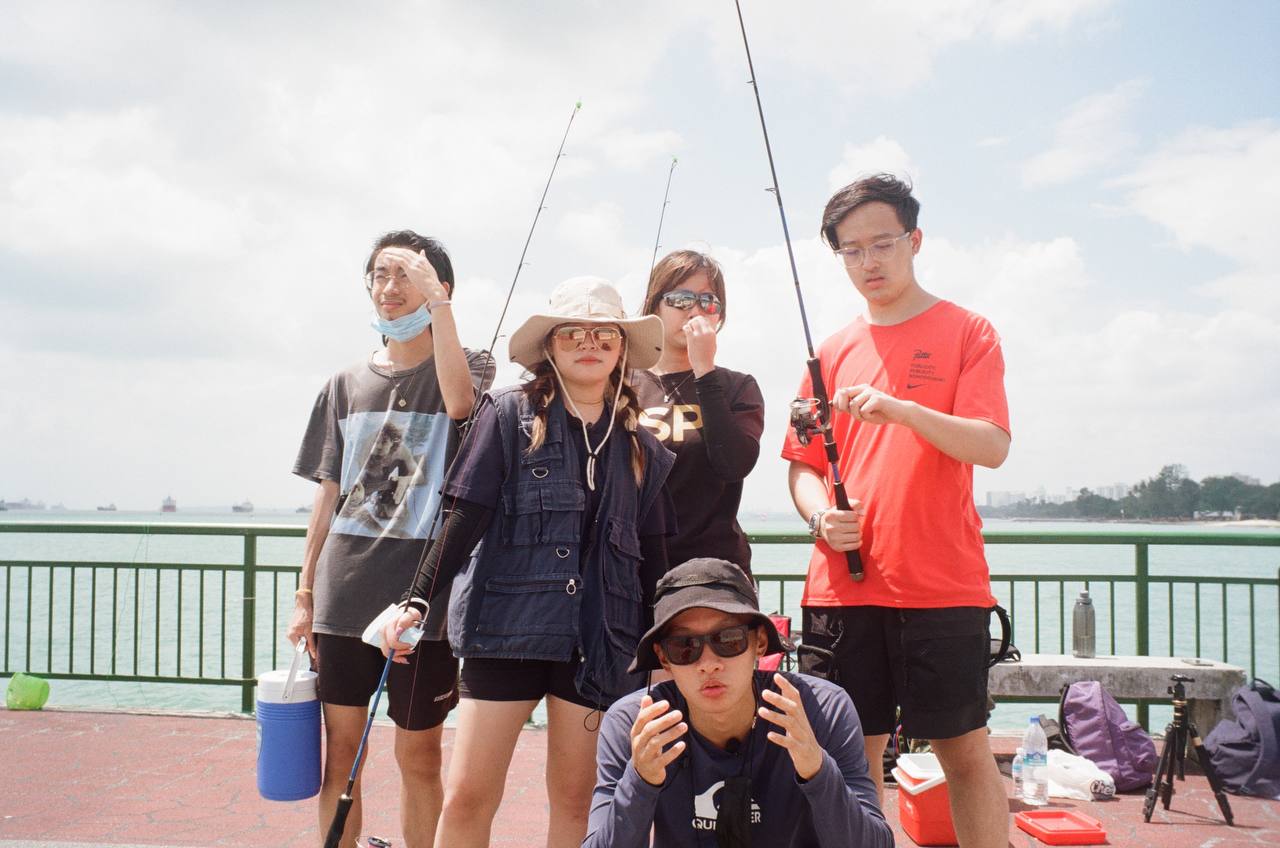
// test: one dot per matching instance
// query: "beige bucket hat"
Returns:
(587, 300)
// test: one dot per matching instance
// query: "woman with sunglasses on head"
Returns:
(560, 495)
(709, 416)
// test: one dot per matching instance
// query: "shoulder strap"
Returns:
(1006, 635)
(1063, 727)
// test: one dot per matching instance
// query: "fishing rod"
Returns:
(662, 214)
(412, 635)
(809, 416)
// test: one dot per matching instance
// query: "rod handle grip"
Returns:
(334, 837)
(853, 557)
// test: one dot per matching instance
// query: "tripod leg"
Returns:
(1176, 745)
(1215, 783)
(1182, 754)
(1164, 767)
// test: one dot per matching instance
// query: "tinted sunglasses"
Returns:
(571, 337)
(684, 299)
(729, 642)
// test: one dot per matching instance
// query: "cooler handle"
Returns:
(295, 667)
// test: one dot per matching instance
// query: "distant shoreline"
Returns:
(1244, 522)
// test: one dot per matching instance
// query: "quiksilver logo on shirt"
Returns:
(706, 805)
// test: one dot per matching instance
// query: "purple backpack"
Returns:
(1094, 726)
(1245, 751)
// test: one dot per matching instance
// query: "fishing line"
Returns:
(346, 800)
(809, 416)
(665, 201)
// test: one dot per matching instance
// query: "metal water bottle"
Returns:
(1083, 633)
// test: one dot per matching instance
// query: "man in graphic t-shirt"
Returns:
(918, 387)
(381, 435)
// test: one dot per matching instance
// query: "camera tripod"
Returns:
(1180, 734)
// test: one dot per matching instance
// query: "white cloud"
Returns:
(1091, 135)
(879, 155)
(880, 48)
(1216, 189)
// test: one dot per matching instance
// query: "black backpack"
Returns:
(1245, 751)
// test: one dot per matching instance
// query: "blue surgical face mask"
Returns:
(404, 328)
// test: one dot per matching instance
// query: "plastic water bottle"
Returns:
(1016, 769)
(1035, 765)
(1083, 633)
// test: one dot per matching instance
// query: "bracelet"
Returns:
(431, 307)
(301, 592)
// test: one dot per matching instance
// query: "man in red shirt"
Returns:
(918, 388)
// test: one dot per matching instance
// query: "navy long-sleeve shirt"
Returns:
(837, 807)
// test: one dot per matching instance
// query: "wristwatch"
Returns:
(815, 522)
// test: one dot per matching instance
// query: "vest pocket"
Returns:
(545, 605)
(543, 512)
(623, 616)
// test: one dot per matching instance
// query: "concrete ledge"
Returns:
(1044, 675)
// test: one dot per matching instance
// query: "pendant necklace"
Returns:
(396, 392)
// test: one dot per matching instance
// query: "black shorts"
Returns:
(486, 679)
(419, 695)
(930, 662)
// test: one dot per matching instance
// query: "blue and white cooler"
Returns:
(289, 731)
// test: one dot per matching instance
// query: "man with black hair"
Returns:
(381, 434)
(721, 754)
(918, 388)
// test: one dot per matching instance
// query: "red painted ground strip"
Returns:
(113, 779)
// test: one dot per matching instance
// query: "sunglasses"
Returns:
(570, 337)
(729, 642)
(685, 300)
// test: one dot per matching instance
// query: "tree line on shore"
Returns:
(1168, 496)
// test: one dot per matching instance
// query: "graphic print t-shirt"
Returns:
(388, 461)
(713, 426)
(921, 534)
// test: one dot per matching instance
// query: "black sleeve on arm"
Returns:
(464, 526)
(731, 435)
(653, 564)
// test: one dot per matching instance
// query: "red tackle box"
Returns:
(1062, 827)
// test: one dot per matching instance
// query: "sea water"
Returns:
(221, 657)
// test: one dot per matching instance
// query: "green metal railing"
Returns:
(220, 623)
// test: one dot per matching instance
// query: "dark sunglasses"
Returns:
(684, 299)
(729, 642)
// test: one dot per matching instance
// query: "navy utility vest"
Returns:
(535, 588)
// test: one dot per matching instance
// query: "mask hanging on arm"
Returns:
(404, 328)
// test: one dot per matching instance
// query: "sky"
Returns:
(188, 193)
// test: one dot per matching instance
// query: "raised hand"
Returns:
(700, 338)
(656, 727)
(421, 273)
(798, 738)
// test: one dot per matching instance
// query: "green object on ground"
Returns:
(26, 692)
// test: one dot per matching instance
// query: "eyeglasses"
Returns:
(570, 337)
(685, 299)
(729, 642)
(381, 276)
(880, 251)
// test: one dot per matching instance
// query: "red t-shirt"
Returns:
(921, 534)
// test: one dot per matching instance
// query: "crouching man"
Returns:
(721, 754)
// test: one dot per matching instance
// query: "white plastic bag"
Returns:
(1072, 776)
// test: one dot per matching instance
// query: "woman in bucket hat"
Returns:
(722, 753)
(561, 496)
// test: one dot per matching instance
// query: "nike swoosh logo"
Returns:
(914, 385)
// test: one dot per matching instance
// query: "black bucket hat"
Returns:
(703, 582)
